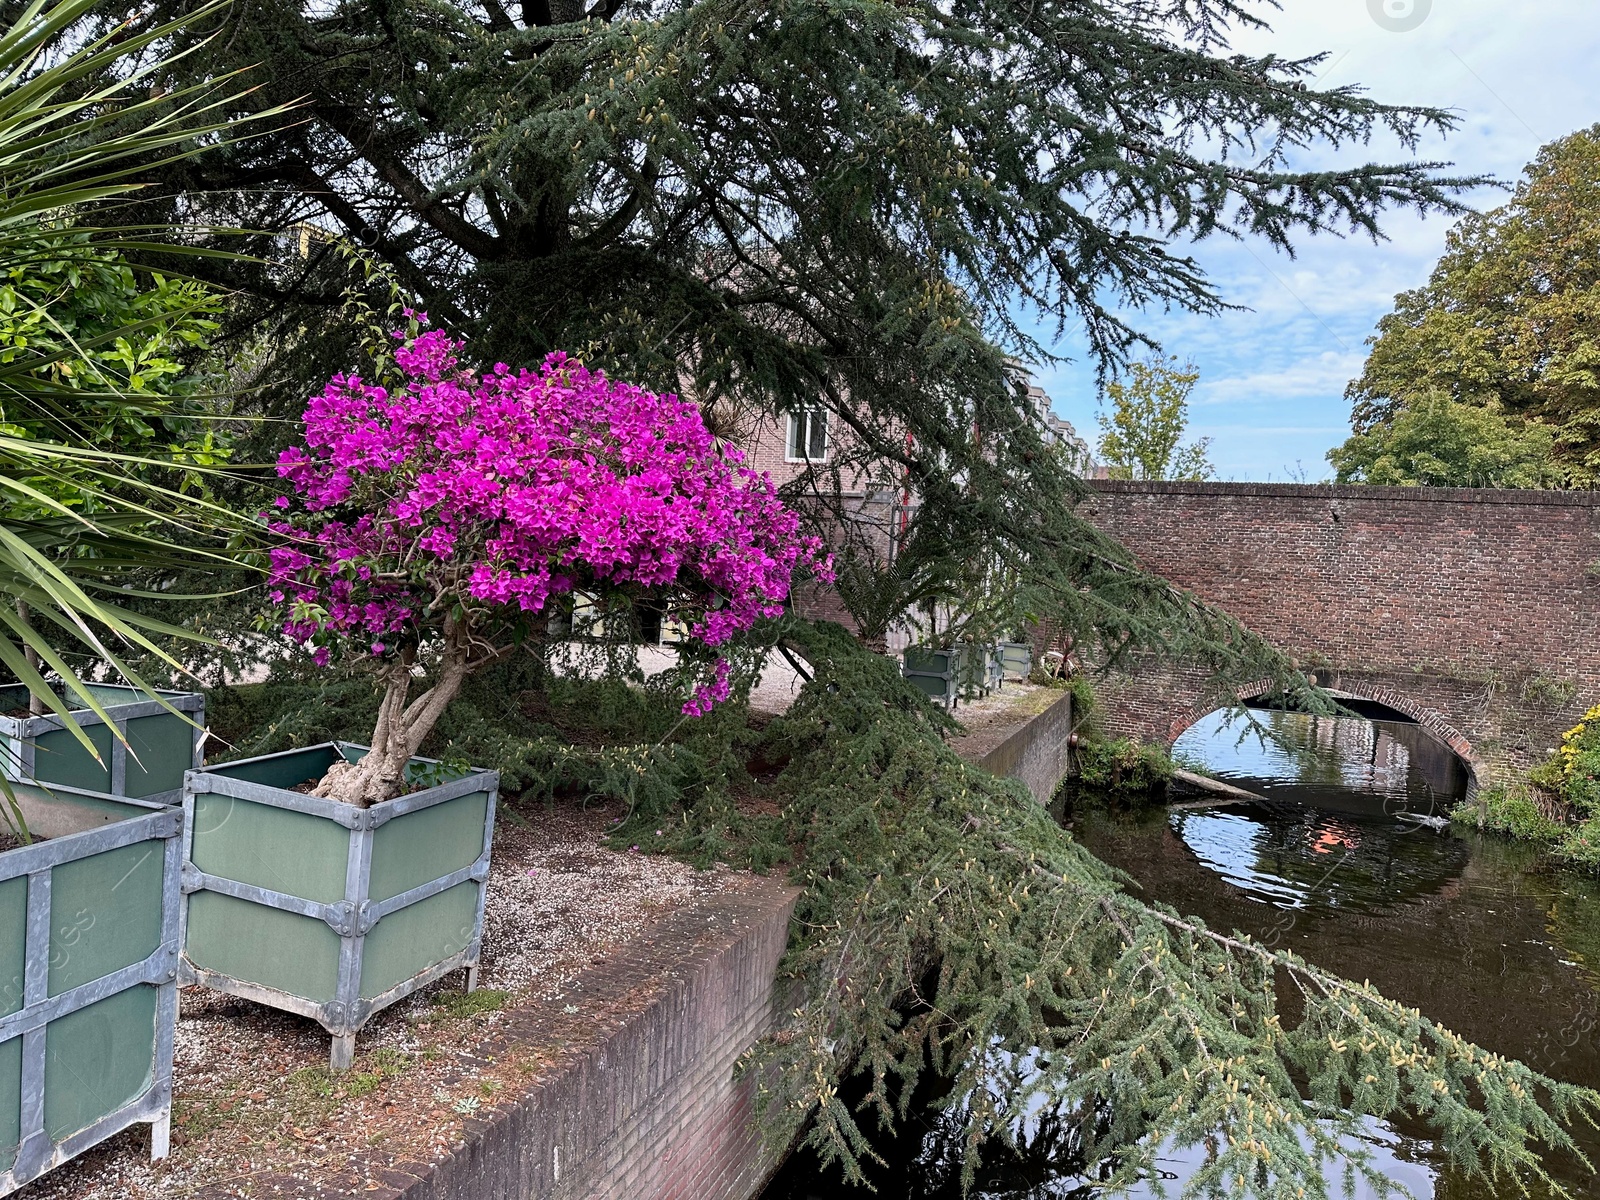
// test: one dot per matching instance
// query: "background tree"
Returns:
(1510, 317)
(1435, 441)
(1140, 436)
(114, 357)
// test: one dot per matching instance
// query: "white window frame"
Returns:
(808, 415)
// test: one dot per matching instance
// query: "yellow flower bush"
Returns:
(1583, 736)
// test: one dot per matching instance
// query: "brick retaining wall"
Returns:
(637, 1099)
(1033, 747)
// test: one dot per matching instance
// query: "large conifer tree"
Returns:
(866, 204)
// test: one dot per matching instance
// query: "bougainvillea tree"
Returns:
(433, 523)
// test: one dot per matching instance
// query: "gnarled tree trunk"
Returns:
(400, 730)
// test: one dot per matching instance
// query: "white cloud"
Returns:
(1327, 372)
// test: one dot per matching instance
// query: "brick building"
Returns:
(803, 451)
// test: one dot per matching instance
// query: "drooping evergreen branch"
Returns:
(950, 925)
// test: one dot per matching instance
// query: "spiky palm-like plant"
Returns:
(81, 123)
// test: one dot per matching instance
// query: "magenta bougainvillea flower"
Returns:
(480, 498)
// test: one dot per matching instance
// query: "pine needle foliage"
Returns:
(948, 925)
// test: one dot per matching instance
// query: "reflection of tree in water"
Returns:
(1046, 1160)
(1485, 954)
(1293, 743)
(1571, 909)
(1046, 1163)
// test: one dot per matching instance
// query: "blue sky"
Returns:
(1518, 74)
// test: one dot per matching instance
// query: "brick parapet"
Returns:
(1470, 609)
(1479, 497)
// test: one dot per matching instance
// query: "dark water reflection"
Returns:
(1349, 815)
(1335, 865)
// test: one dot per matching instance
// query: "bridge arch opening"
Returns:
(1441, 748)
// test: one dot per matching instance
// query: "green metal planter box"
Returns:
(926, 660)
(326, 909)
(88, 977)
(1016, 659)
(160, 745)
(976, 671)
(989, 673)
(936, 673)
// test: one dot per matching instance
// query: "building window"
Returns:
(808, 436)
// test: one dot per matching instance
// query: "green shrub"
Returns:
(1582, 789)
(1123, 768)
(1085, 708)
(1573, 772)
(1580, 846)
(1511, 812)
(1570, 778)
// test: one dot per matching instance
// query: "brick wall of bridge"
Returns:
(1459, 606)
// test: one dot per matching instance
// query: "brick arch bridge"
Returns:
(1474, 612)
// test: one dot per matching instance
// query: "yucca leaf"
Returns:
(74, 134)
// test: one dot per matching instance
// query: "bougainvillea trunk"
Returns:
(399, 732)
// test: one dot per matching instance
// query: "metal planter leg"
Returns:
(349, 1011)
(161, 1137)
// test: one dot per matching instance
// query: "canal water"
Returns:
(1338, 863)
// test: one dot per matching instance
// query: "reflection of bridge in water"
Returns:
(1330, 831)
(1378, 754)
